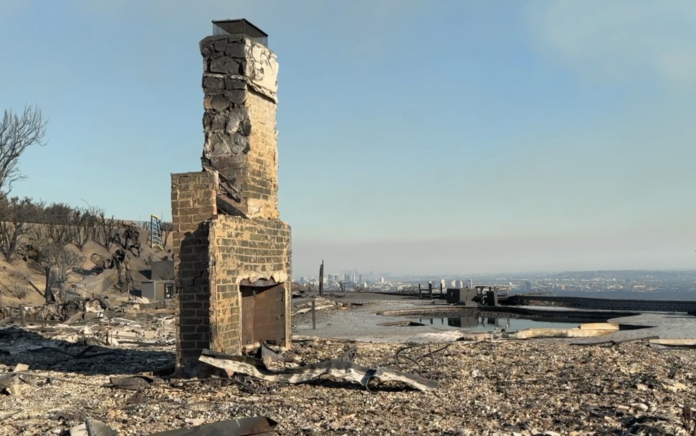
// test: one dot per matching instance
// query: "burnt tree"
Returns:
(108, 227)
(61, 257)
(15, 215)
(167, 229)
(17, 133)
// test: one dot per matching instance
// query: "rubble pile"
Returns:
(540, 387)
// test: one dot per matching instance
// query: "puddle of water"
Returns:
(490, 323)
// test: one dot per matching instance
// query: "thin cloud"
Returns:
(619, 40)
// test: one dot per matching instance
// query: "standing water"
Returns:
(493, 323)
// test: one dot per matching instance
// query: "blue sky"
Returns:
(414, 136)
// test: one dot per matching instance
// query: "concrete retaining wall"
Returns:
(605, 303)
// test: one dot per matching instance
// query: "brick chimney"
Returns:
(232, 253)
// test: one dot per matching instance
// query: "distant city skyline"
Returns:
(618, 251)
(473, 136)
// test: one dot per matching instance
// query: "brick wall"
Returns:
(262, 171)
(608, 303)
(213, 253)
(245, 249)
(193, 205)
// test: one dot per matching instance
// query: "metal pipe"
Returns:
(321, 279)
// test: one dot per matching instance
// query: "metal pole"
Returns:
(321, 279)
(314, 313)
(420, 296)
(430, 289)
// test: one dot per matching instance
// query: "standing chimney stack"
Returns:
(232, 252)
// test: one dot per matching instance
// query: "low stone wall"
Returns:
(605, 303)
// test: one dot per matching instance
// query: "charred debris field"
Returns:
(530, 387)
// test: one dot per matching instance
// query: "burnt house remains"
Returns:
(232, 251)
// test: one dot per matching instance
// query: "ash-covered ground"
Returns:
(486, 388)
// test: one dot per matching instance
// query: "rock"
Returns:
(195, 421)
(21, 367)
(98, 428)
(207, 45)
(92, 427)
(224, 65)
(97, 260)
(236, 50)
(236, 97)
(220, 45)
(235, 84)
(213, 84)
(216, 145)
(240, 144)
(214, 121)
(216, 102)
(239, 122)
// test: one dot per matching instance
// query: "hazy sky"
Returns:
(414, 136)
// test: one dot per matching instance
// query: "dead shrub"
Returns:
(16, 287)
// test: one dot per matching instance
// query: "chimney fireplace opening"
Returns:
(263, 311)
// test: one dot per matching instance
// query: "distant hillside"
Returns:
(22, 281)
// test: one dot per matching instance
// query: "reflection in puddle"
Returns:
(492, 324)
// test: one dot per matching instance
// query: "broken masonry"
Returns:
(232, 251)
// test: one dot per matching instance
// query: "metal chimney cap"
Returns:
(240, 27)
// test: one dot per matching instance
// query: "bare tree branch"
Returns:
(61, 256)
(17, 133)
